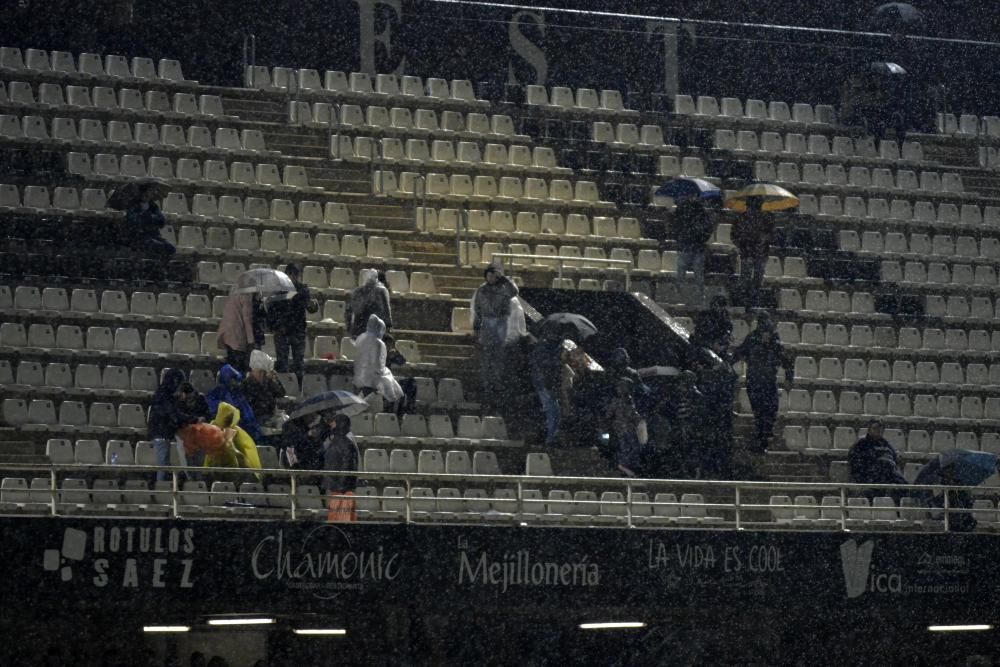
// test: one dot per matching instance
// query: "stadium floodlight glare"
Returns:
(320, 631)
(959, 628)
(612, 625)
(166, 628)
(240, 621)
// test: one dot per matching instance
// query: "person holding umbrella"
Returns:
(241, 329)
(144, 220)
(956, 467)
(752, 234)
(692, 226)
(286, 318)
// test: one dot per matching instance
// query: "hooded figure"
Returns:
(241, 450)
(287, 321)
(713, 328)
(370, 371)
(340, 454)
(491, 309)
(262, 387)
(752, 233)
(167, 416)
(372, 298)
(143, 222)
(229, 391)
(692, 227)
(764, 354)
(241, 329)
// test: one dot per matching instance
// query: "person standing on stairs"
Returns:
(752, 234)
(372, 298)
(490, 314)
(692, 226)
(764, 354)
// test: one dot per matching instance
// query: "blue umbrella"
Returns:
(679, 188)
(968, 468)
(896, 17)
(340, 401)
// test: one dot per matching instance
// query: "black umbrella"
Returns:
(896, 17)
(126, 194)
(567, 325)
(886, 69)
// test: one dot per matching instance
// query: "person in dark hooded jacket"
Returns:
(229, 390)
(371, 298)
(713, 327)
(340, 454)
(546, 378)
(873, 460)
(692, 226)
(172, 409)
(764, 354)
(143, 222)
(491, 304)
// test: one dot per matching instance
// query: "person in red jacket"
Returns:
(752, 234)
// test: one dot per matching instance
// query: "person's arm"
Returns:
(510, 289)
(275, 385)
(477, 321)
(387, 304)
(741, 351)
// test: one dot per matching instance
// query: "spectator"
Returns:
(370, 371)
(302, 441)
(692, 227)
(262, 387)
(717, 385)
(546, 379)
(675, 428)
(240, 450)
(764, 354)
(752, 235)
(625, 432)
(340, 453)
(143, 222)
(393, 357)
(873, 460)
(241, 329)
(230, 390)
(490, 316)
(620, 368)
(713, 328)
(582, 418)
(287, 321)
(372, 298)
(171, 410)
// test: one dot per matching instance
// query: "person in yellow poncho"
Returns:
(239, 451)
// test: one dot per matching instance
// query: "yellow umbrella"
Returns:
(775, 198)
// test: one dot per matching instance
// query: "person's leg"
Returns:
(238, 359)
(282, 343)
(161, 447)
(552, 412)
(297, 348)
(764, 403)
(684, 261)
(698, 268)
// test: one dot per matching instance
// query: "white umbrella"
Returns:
(266, 282)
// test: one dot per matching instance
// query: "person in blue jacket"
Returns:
(229, 390)
(143, 222)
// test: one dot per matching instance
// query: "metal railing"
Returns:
(516, 499)
(560, 261)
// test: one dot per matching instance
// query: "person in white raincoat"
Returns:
(370, 372)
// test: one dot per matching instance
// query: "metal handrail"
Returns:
(624, 263)
(249, 58)
(737, 508)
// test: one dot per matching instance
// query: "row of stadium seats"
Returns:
(125, 101)
(820, 439)
(195, 139)
(816, 146)
(90, 65)
(732, 109)
(528, 223)
(877, 212)
(937, 273)
(906, 340)
(835, 176)
(823, 403)
(903, 373)
(257, 210)
(421, 123)
(859, 513)
(444, 153)
(968, 125)
(244, 240)
(920, 245)
(189, 171)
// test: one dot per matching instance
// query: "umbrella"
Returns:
(340, 401)
(678, 188)
(886, 69)
(966, 467)
(896, 17)
(128, 193)
(775, 198)
(267, 282)
(568, 325)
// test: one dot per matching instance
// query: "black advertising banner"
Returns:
(219, 565)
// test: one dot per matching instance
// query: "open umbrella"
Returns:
(886, 69)
(775, 198)
(896, 17)
(568, 325)
(340, 401)
(128, 193)
(266, 282)
(678, 188)
(967, 467)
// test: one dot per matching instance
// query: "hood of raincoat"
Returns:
(376, 326)
(620, 358)
(173, 378)
(227, 416)
(228, 374)
(367, 277)
(493, 268)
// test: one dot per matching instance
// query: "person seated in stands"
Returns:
(873, 460)
(393, 357)
(371, 374)
(371, 298)
(262, 387)
(713, 327)
(239, 449)
(143, 222)
(230, 390)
